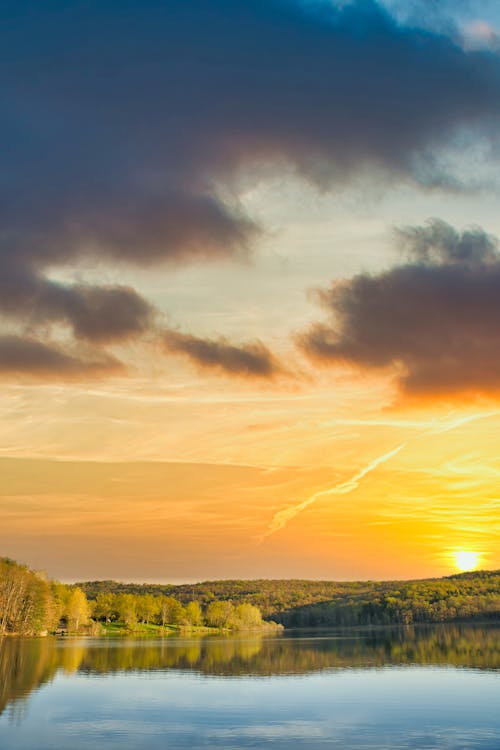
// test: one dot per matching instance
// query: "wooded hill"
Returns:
(301, 603)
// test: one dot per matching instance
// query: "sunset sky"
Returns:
(250, 288)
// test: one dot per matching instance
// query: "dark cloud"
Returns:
(119, 119)
(100, 314)
(435, 319)
(438, 243)
(23, 356)
(106, 313)
(249, 360)
(123, 124)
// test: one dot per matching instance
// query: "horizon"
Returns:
(155, 582)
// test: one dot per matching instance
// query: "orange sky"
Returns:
(122, 481)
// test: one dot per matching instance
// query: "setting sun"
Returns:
(466, 560)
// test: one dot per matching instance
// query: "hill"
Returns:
(303, 603)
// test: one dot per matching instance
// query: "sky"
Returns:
(250, 288)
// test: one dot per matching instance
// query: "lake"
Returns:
(419, 688)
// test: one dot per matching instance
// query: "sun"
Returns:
(466, 560)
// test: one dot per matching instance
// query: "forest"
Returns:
(30, 604)
(302, 603)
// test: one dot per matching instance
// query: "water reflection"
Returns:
(27, 664)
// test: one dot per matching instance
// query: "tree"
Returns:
(171, 611)
(194, 614)
(105, 607)
(77, 609)
(248, 615)
(147, 608)
(26, 601)
(219, 614)
(126, 606)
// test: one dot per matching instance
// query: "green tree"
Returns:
(171, 611)
(219, 614)
(148, 607)
(194, 614)
(77, 609)
(105, 607)
(26, 600)
(248, 615)
(126, 606)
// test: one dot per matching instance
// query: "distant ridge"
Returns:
(305, 603)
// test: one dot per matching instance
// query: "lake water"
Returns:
(414, 688)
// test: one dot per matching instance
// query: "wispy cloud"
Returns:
(430, 427)
(283, 517)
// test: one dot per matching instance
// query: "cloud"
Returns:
(438, 243)
(252, 359)
(29, 357)
(125, 127)
(121, 124)
(479, 34)
(434, 319)
(100, 314)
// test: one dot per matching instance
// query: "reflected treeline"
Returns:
(26, 664)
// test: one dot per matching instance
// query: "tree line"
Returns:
(302, 603)
(405, 603)
(31, 605)
(146, 609)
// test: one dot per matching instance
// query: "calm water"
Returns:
(429, 688)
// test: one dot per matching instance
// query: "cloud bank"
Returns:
(435, 318)
(124, 124)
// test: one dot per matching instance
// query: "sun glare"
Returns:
(466, 560)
